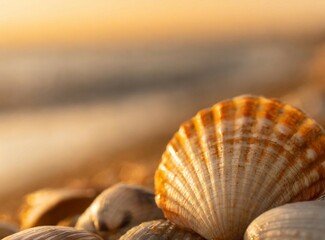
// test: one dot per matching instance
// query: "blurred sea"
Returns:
(52, 77)
(63, 109)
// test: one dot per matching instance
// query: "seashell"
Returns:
(7, 229)
(303, 220)
(159, 230)
(53, 233)
(50, 206)
(118, 209)
(236, 160)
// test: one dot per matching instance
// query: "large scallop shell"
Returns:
(53, 233)
(118, 209)
(50, 206)
(159, 230)
(230, 163)
(303, 221)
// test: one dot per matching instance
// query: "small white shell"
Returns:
(118, 209)
(303, 221)
(159, 230)
(53, 233)
(242, 157)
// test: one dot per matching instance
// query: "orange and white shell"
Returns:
(159, 230)
(236, 160)
(53, 233)
(303, 221)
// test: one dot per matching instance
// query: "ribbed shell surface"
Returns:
(159, 230)
(303, 221)
(53, 233)
(230, 163)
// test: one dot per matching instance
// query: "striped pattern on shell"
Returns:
(236, 160)
(303, 221)
(53, 233)
(159, 230)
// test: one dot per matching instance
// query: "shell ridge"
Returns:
(36, 233)
(63, 235)
(317, 187)
(173, 202)
(251, 126)
(257, 152)
(51, 231)
(282, 133)
(159, 230)
(207, 144)
(296, 141)
(224, 163)
(280, 113)
(195, 158)
(297, 181)
(218, 163)
(294, 177)
(179, 184)
(225, 126)
(216, 183)
(221, 175)
(193, 188)
(288, 136)
(245, 108)
(233, 160)
(280, 163)
(178, 196)
(256, 186)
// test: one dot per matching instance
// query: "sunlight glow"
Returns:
(81, 21)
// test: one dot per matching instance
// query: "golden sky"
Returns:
(34, 22)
